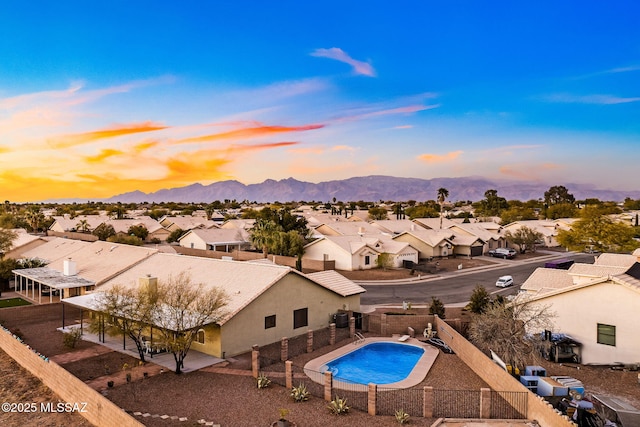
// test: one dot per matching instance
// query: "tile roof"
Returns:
(336, 282)
(617, 260)
(544, 280)
(57, 248)
(220, 235)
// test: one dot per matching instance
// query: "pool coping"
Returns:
(419, 372)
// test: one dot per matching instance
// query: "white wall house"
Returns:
(599, 312)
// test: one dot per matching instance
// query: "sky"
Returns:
(103, 98)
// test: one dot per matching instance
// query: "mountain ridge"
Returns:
(368, 188)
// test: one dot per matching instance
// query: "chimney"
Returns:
(413, 227)
(69, 267)
(149, 282)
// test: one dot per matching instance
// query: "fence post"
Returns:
(383, 325)
(332, 335)
(284, 349)
(428, 403)
(288, 368)
(352, 327)
(328, 383)
(485, 403)
(372, 398)
(309, 341)
(255, 360)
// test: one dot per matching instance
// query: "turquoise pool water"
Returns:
(377, 363)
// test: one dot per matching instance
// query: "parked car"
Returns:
(506, 253)
(504, 281)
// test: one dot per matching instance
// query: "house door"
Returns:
(358, 318)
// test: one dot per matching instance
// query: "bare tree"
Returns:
(183, 309)
(504, 328)
(525, 237)
(129, 311)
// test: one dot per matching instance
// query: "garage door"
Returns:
(476, 250)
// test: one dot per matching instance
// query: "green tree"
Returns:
(631, 205)
(175, 235)
(525, 237)
(104, 231)
(422, 211)
(443, 193)
(558, 194)
(561, 210)
(479, 300)
(492, 204)
(140, 231)
(437, 308)
(376, 213)
(516, 213)
(597, 232)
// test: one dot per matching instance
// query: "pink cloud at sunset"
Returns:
(249, 133)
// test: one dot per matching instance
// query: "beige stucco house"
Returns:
(597, 305)
(266, 301)
(215, 239)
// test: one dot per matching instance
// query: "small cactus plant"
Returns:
(338, 406)
(263, 381)
(402, 417)
(300, 393)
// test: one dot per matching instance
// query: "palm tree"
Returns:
(263, 235)
(82, 226)
(443, 193)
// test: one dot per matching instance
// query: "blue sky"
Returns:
(101, 99)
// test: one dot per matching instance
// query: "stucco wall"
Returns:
(291, 293)
(99, 410)
(578, 313)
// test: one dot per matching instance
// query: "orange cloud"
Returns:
(104, 154)
(144, 146)
(252, 132)
(440, 158)
(66, 141)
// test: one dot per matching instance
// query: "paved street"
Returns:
(455, 287)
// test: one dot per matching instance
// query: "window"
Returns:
(300, 318)
(367, 260)
(200, 336)
(270, 322)
(606, 334)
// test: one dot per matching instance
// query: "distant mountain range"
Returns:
(367, 188)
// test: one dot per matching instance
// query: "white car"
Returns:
(504, 281)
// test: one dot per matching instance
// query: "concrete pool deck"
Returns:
(314, 368)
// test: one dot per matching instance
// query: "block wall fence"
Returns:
(99, 410)
(497, 378)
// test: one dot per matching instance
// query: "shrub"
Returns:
(300, 393)
(71, 339)
(338, 406)
(263, 381)
(402, 417)
(437, 307)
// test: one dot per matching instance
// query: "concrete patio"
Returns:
(195, 360)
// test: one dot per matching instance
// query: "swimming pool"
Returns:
(377, 363)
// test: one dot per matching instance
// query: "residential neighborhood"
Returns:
(288, 275)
